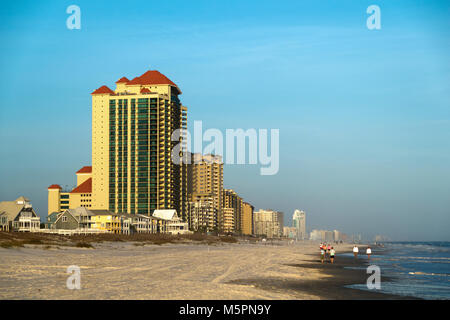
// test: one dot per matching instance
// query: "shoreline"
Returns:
(334, 285)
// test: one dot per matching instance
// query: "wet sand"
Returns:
(340, 274)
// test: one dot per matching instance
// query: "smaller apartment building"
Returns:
(203, 215)
(268, 223)
(60, 200)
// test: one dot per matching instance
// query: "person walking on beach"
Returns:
(368, 252)
(332, 253)
(322, 254)
(355, 251)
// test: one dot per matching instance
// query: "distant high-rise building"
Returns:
(203, 215)
(206, 182)
(356, 238)
(268, 223)
(290, 232)
(299, 222)
(247, 218)
(328, 236)
(381, 238)
(228, 223)
(337, 235)
(232, 200)
(132, 168)
(316, 235)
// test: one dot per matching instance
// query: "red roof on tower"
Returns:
(85, 169)
(103, 90)
(55, 186)
(85, 187)
(145, 90)
(123, 80)
(152, 77)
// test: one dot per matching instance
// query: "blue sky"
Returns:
(364, 116)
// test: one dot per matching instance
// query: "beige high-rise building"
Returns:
(268, 223)
(132, 169)
(206, 182)
(232, 200)
(247, 218)
(228, 223)
(202, 215)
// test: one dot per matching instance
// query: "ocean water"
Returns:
(418, 269)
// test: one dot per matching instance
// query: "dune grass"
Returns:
(19, 239)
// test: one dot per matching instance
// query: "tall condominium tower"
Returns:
(232, 200)
(247, 218)
(299, 222)
(132, 170)
(206, 182)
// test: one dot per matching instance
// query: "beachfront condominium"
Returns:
(232, 200)
(205, 179)
(228, 222)
(299, 223)
(132, 169)
(203, 215)
(247, 218)
(60, 199)
(268, 223)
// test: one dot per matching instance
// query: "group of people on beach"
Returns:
(328, 251)
(356, 251)
(324, 248)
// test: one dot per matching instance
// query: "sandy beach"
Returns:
(127, 270)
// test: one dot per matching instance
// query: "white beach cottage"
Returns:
(171, 223)
(18, 215)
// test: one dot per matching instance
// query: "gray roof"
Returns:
(13, 208)
(80, 211)
(52, 217)
(101, 212)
